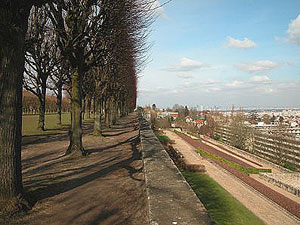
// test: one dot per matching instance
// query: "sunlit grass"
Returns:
(30, 124)
(223, 208)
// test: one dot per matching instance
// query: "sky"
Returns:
(218, 53)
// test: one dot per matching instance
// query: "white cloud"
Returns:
(214, 89)
(211, 81)
(241, 44)
(189, 64)
(269, 90)
(186, 64)
(185, 76)
(235, 83)
(260, 79)
(261, 66)
(294, 31)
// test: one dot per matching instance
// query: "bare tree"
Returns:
(40, 60)
(240, 132)
(79, 27)
(13, 25)
(58, 80)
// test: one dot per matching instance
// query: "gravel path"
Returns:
(260, 206)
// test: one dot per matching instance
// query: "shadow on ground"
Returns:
(105, 187)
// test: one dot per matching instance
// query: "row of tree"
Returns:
(31, 104)
(92, 49)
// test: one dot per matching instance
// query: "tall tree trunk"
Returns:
(106, 113)
(42, 98)
(115, 112)
(89, 103)
(94, 105)
(59, 103)
(83, 108)
(109, 113)
(12, 35)
(76, 147)
(97, 119)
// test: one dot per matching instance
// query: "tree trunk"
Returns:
(97, 119)
(109, 113)
(76, 147)
(42, 98)
(115, 112)
(59, 103)
(89, 107)
(83, 108)
(12, 35)
(94, 105)
(106, 113)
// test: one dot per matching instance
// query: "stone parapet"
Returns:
(171, 199)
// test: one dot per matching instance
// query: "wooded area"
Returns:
(91, 50)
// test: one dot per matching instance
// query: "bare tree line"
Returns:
(92, 49)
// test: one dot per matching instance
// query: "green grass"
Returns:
(30, 124)
(164, 139)
(223, 208)
(233, 164)
(289, 166)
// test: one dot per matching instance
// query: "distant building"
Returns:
(260, 124)
(174, 115)
(199, 123)
(188, 119)
(294, 124)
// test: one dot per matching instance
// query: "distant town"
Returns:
(267, 120)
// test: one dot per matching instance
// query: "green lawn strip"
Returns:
(164, 139)
(30, 124)
(233, 164)
(223, 208)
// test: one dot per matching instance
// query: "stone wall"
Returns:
(171, 199)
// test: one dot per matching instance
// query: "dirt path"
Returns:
(260, 206)
(106, 187)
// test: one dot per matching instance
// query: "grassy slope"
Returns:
(223, 208)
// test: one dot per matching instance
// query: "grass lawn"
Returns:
(30, 124)
(223, 208)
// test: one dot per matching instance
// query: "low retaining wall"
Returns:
(251, 155)
(171, 199)
(278, 180)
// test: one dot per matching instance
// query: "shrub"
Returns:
(289, 166)
(164, 139)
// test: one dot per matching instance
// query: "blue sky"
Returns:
(224, 52)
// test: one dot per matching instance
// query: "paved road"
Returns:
(260, 206)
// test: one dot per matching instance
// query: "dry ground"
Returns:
(106, 187)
